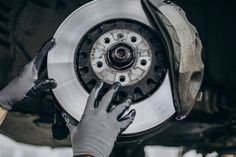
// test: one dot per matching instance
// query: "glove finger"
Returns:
(121, 108)
(42, 86)
(127, 120)
(107, 98)
(94, 95)
(46, 84)
(70, 127)
(41, 56)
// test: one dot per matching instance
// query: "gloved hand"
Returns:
(98, 129)
(27, 84)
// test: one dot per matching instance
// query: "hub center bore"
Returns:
(121, 57)
(121, 53)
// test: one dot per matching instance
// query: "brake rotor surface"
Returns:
(118, 44)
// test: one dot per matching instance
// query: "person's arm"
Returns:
(3, 113)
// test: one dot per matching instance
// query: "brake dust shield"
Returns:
(80, 55)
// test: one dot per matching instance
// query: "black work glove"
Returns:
(27, 84)
(98, 129)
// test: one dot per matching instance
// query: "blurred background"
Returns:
(10, 148)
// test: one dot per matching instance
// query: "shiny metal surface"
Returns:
(132, 75)
(70, 94)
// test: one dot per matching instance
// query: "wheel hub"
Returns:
(120, 55)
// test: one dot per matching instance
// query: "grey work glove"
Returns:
(98, 129)
(27, 84)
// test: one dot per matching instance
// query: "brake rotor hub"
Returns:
(122, 51)
(121, 55)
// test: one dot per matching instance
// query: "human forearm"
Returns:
(3, 113)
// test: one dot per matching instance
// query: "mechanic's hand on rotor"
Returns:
(98, 129)
(28, 84)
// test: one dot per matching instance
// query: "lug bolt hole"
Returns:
(120, 35)
(143, 62)
(107, 40)
(99, 64)
(133, 39)
(122, 78)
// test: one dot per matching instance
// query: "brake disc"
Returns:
(112, 41)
